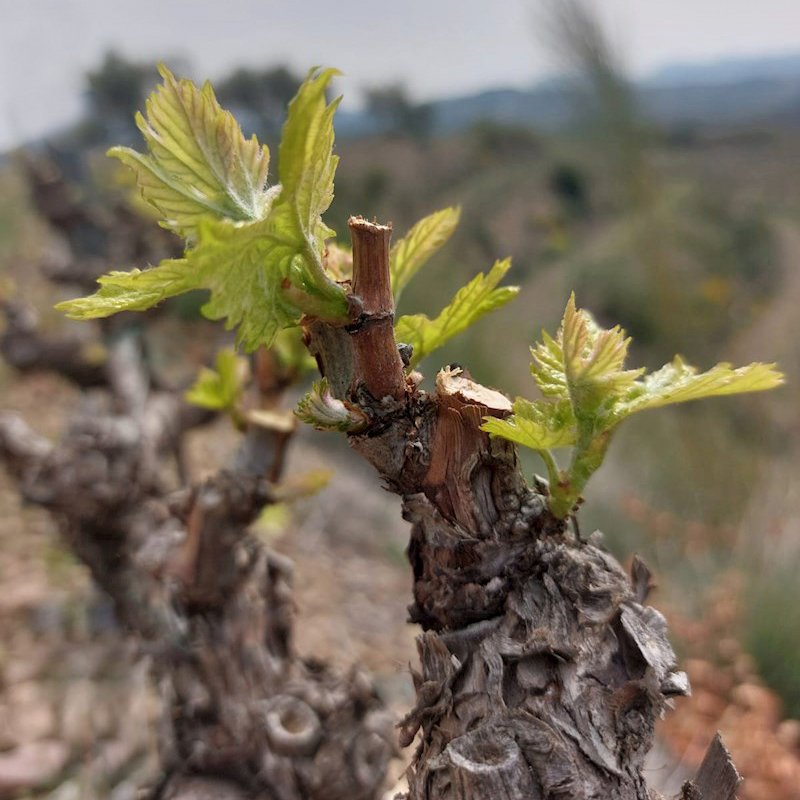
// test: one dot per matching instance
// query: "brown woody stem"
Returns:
(377, 364)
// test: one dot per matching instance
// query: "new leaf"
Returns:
(198, 162)
(588, 392)
(418, 245)
(471, 302)
(264, 270)
(219, 389)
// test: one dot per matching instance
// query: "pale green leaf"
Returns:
(419, 244)
(548, 369)
(471, 302)
(307, 164)
(219, 389)
(245, 268)
(539, 426)
(265, 274)
(136, 290)
(593, 359)
(679, 382)
(589, 392)
(198, 162)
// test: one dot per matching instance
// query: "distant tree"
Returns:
(118, 87)
(497, 141)
(394, 111)
(570, 186)
(261, 94)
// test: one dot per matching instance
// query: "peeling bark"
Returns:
(542, 670)
(716, 779)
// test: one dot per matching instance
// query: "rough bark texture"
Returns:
(716, 779)
(542, 671)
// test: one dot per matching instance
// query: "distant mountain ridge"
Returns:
(730, 91)
(727, 70)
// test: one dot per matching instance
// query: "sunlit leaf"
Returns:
(678, 382)
(219, 389)
(419, 244)
(471, 302)
(136, 290)
(588, 392)
(198, 161)
(539, 425)
(264, 274)
(584, 362)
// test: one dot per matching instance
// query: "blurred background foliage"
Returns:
(686, 233)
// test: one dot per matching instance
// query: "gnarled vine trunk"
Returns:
(542, 670)
(244, 715)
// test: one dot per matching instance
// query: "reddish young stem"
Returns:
(377, 363)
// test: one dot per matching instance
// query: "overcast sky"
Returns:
(436, 47)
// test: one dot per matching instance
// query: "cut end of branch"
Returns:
(453, 382)
(377, 363)
(364, 224)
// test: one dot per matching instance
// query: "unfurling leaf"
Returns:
(539, 425)
(418, 245)
(220, 389)
(136, 290)
(198, 162)
(324, 412)
(588, 392)
(584, 364)
(264, 270)
(678, 382)
(471, 302)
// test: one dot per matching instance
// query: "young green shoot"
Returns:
(264, 252)
(588, 392)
